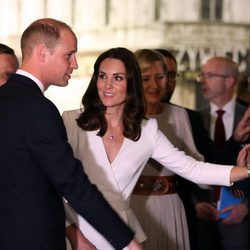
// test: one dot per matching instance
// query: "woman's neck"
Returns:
(114, 117)
(155, 109)
(115, 127)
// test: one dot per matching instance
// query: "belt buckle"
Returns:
(161, 186)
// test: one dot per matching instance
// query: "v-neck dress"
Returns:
(117, 180)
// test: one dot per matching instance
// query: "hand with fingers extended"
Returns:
(243, 158)
(242, 131)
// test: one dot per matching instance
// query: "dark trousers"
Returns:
(217, 236)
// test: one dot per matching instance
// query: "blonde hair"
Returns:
(146, 57)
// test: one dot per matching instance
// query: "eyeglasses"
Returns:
(172, 75)
(209, 75)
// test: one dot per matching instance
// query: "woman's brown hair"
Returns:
(93, 113)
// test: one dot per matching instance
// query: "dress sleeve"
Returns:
(177, 161)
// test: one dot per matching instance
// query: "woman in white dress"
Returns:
(114, 142)
(162, 214)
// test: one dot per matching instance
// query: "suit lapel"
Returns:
(239, 112)
(205, 113)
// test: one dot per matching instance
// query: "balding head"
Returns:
(225, 65)
(218, 78)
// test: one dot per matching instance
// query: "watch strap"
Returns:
(248, 170)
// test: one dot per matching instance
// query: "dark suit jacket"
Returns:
(239, 112)
(189, 191)
(225, 155)
(229, 154)
(37, 168)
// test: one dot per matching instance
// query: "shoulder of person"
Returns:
(149, 123)
(71, 114)
(240, 107)
(194, 114)
(175, 107)
(203, 109)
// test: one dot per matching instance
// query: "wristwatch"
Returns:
(248, 170)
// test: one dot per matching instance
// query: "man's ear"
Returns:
(41, 52)
(230, 82)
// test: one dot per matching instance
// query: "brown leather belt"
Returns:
(155, 185)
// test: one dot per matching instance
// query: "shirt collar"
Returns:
(36, 80)
(228, 108)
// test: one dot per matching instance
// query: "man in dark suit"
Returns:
(37, 167)
(218, 79)
(243, 90)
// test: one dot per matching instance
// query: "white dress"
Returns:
(163, 217)
(117, 180)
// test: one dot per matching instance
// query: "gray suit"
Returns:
(215, 235)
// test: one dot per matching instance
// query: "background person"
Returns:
(243, 90)
(162, 214)
(8, 63)
(218, 79)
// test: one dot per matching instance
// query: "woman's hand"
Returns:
(77, 239)
(242, 131)
(133, 245)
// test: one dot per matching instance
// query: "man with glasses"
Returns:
(172, 73)
(218, 80)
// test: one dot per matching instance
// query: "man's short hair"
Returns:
(4, 49)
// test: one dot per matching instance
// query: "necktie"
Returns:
(219, 131)
(219, 140)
